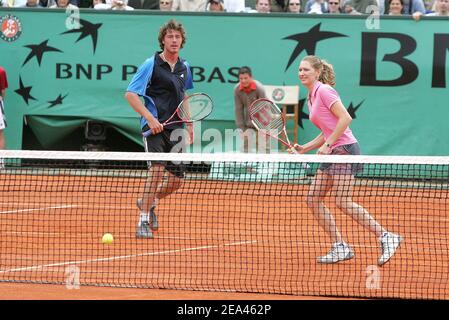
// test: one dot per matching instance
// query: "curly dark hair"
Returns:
(171, 25)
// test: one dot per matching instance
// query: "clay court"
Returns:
(217, 240)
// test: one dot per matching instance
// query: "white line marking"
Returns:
(39, 209)
(35, 234)
(121, 257)
(239, 243)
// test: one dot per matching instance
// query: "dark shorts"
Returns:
(163, 143)
(343, 168)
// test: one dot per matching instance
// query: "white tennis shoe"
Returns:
(153, 217)
(340, 251)
(143, 231)
(389, 244)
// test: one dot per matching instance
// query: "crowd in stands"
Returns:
(414, 8)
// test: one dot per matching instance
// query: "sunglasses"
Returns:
(333, 3)
(294, 4)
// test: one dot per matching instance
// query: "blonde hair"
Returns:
(327, 74)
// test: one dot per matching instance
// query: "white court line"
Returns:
(122, 257)
(427, 217)
(33, 234)
(40, 209)
(415, 238)
(95, 235)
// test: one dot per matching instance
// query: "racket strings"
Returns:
(268, 117)
(194, 109)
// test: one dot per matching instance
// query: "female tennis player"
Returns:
(162, 81)
(327, 112)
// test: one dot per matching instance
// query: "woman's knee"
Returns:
(342, 203)
(313, 201)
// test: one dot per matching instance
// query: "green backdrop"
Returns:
(391, 74)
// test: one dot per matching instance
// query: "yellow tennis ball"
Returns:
(107, 238)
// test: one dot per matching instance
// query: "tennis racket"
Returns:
(268, 118)
(195, 107)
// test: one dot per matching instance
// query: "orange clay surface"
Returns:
(220, 240)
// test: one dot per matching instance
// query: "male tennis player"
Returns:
(161, 81)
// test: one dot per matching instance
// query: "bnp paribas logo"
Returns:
(37, 61)
(11, 28)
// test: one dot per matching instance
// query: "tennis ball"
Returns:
(107, 238)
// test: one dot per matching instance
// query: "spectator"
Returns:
(63, 4)
(359, 6)
(246, 92)
(334, 6)
(395, 7)
(120, 5)
(317, 6)
(441, 9)
(3, 87)
(49, 3)
(32, 4)
(146, 4)
(14, 3)
(189, 5)
(293, 6)
(215, 5)
(410, 7)
(263, 6)
(165, 5)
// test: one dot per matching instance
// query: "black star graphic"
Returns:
(308, 41)
(24, 92)
(87, 29)
(352, 109)
(57, 101)
(38, 50)
(302, 114)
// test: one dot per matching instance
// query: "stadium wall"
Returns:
(391, 72)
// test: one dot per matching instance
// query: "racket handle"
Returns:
(291, 148)
(147, 133)
(303, 164)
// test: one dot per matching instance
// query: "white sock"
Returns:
(144, 217)
(384, 234)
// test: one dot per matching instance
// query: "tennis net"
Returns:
(238, 223)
